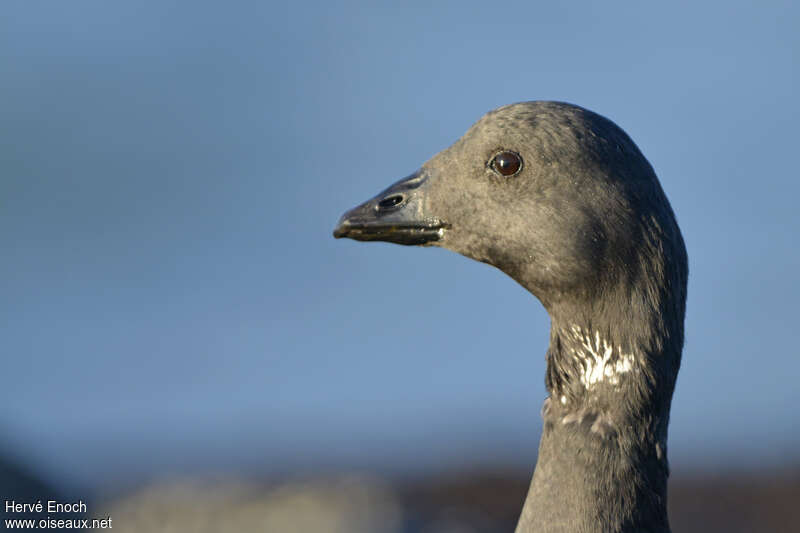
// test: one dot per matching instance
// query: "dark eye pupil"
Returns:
(507, 163)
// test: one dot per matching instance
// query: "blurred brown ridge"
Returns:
(487, 501)
(484, 502)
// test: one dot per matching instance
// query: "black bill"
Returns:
(396, 215)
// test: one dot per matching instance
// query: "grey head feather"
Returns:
(585, 226)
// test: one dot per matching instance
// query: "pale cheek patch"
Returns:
(594, 355)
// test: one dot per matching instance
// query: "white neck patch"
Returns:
(593, 354)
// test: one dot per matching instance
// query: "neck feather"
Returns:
(602, 463)
(615, 350)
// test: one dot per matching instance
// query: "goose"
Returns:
(561, 200)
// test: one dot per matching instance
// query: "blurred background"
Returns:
(185, 346)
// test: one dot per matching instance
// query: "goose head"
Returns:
(562, 200)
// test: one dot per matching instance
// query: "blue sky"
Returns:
(172, 171)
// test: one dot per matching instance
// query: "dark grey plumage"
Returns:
(585, 226)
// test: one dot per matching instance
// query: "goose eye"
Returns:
(506, 163)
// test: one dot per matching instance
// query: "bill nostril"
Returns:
(391, 201)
